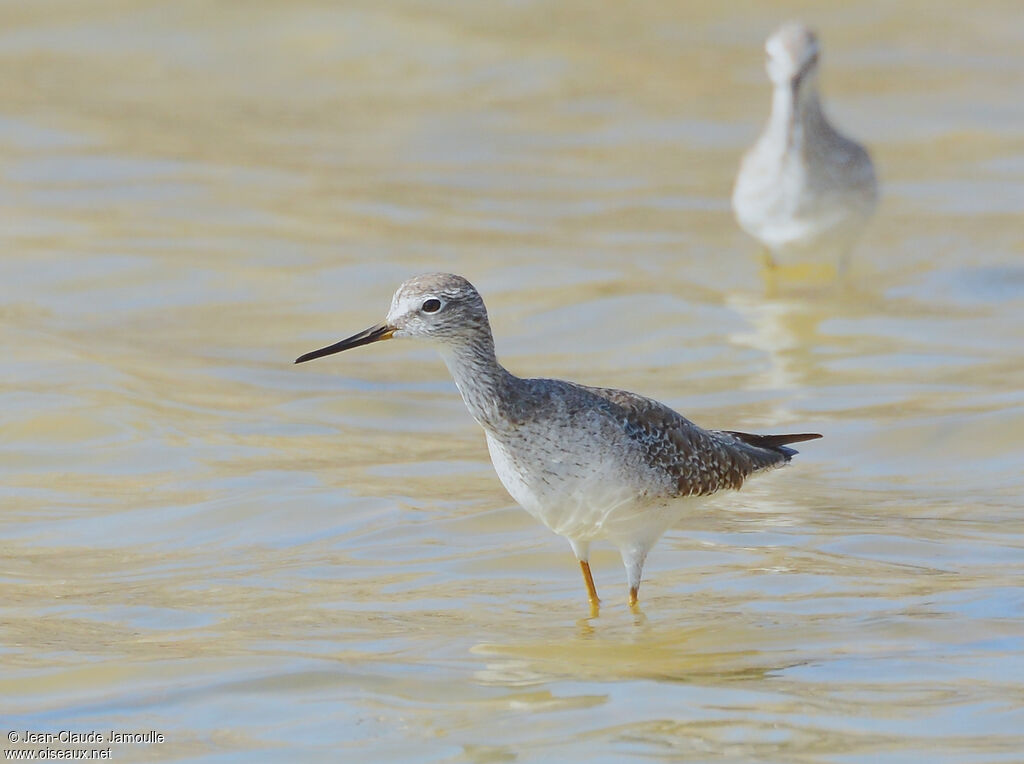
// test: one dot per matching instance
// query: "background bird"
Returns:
(804, 190)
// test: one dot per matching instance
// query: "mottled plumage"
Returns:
(699, 462)
(588, 462)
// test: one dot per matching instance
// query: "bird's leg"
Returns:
(633, 558)
(770, 271)
(589, 581)
(581, 549)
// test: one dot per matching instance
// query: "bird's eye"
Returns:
(431, 306)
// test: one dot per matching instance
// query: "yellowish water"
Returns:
(263, 562)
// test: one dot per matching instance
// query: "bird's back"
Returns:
(606, 435)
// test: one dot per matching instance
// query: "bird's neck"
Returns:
(796, 114)
(486, 386)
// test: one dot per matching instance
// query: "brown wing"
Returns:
(699, 461)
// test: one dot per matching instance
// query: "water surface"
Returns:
(257, 559)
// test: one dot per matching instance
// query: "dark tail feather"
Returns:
(775, 443)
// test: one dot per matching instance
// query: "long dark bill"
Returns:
(365, 337)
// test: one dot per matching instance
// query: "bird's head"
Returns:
(441, 307)
(792, 54)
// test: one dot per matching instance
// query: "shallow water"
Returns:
(256, 559)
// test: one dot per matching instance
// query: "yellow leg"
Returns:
(589, 581)
(633, 592)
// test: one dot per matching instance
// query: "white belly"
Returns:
(581, 498)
